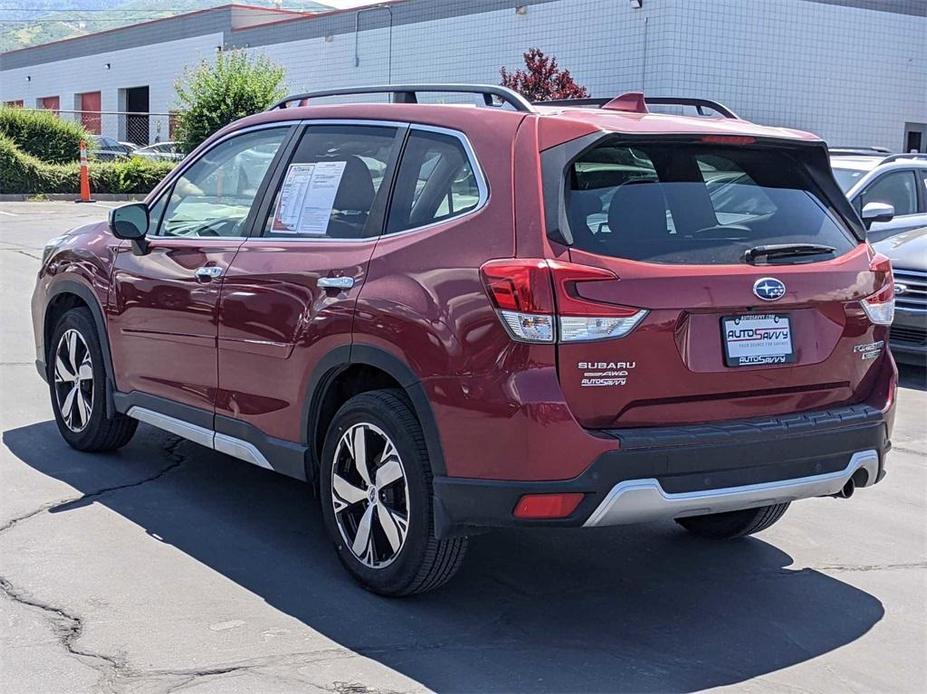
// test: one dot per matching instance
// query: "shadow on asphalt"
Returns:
(644, 608)
(912, 376)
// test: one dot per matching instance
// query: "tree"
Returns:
(212, 95)
(542, 79)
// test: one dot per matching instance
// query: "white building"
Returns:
(853, 71)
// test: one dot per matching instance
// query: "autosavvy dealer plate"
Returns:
(757, 339)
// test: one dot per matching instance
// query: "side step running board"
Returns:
(223, 443)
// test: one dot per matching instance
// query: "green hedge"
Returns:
(21, 172)
(43, 134)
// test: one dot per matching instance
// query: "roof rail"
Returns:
(898, 157)
(699, 104)
(864, 150)
(407, 94)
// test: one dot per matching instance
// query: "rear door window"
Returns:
(695, 204)
(332, 182)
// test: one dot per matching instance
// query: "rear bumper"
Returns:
(669, 472)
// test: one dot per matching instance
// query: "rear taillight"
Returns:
(880, 307)
(538, 302)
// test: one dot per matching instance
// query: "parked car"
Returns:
(871, 176)
(166, 151)
(451, 319)
(908, 253)
(108, 149)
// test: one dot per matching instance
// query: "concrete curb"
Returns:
(46, 197)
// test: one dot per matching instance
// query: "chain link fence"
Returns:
(122, 131)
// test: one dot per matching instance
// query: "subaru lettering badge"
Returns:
(769, 288)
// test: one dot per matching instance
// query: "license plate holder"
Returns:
(757, 339)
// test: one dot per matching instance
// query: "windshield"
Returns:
(695, 204)
(846, 178)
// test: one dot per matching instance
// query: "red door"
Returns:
(288, 298)
(163, 306)
(89, 104)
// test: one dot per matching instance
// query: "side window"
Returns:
(214, 196)
(436, 181)
(898, 188)
(331, 183)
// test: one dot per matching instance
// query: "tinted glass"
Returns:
(898, 189)
(694, 204)
(214, 196)
(847, 178)
(331, 183)
(436, 181)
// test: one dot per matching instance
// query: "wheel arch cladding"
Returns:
(348, 371)
(64, 296)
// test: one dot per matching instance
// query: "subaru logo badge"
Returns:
(769, 288)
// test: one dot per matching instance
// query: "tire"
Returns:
(382, 556)
(78, 390)
(726, 526)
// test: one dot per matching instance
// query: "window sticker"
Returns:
(307, 198)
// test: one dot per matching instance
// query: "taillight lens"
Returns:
(521, 291)
(533, 297)
(880, 307)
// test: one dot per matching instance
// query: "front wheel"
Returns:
(77, 381)
(376, 493)
(726, 526)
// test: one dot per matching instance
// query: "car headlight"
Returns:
(50, 246)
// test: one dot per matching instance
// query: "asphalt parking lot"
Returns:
(167, 566)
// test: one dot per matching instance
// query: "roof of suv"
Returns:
(869, 162)
(559, 122)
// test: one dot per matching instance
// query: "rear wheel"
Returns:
(376, 496)
(725, 526)
(77, 381)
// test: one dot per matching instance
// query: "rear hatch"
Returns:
(740, 276)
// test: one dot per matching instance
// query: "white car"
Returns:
(870, 175)
(165, 151)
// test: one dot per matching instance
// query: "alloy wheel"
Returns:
(74, 389)
(370, 495)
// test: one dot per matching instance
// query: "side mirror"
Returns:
(877, 212)
(130, 222)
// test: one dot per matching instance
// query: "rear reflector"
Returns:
(547, 505)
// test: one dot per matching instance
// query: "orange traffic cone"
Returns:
(84, 175)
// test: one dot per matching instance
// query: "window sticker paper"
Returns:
(307, 198)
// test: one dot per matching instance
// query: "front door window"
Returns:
(213, 197)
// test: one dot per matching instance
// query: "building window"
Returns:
(49, 103)
(16, 103)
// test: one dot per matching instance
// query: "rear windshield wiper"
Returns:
(786, 250)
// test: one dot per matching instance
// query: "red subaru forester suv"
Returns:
(452, 318)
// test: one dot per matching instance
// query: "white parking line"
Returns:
(9, 214)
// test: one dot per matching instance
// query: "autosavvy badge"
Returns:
(604, 374)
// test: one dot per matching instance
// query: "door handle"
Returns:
(207, 273)
(336, 282)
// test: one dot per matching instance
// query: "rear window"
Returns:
(695, 204)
